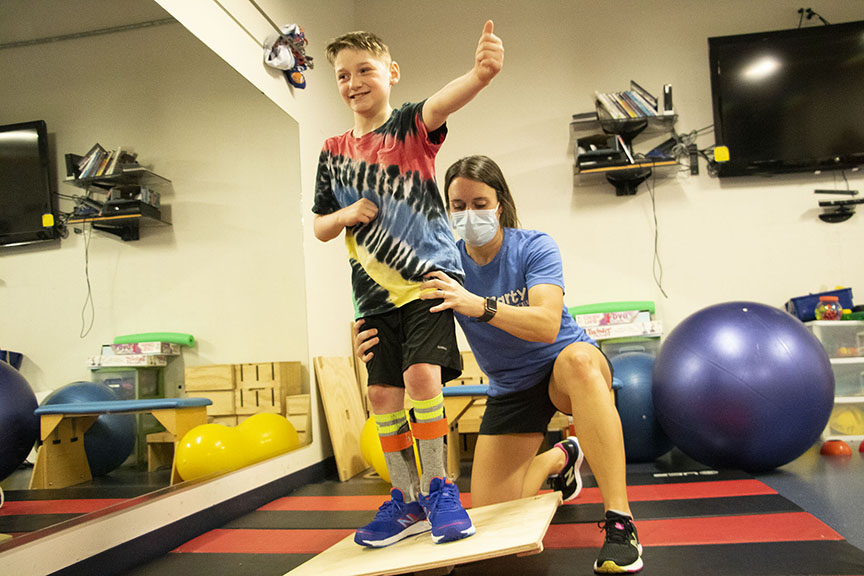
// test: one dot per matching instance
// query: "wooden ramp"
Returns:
(516, 527)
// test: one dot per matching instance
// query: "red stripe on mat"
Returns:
(682, 491)
(641, 493)
(83, 506)
(784, 527)
(222, 541)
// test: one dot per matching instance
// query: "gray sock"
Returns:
(402, 467)
(431, 461)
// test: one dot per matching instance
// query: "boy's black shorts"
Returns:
(413, 335)
(524, 412)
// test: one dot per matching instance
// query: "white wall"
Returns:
(230, 270)
(751, 238)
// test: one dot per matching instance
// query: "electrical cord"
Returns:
(809, 13)
(88, 232)
(656, 264)
(681, 149)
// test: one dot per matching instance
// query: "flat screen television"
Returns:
(27, 202)
(789, 100)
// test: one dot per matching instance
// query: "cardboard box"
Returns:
(607, 318)
(653, 328)
(137, 360)
(165, 348)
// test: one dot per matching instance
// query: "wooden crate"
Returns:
(299, 413)
(285, 375)
(209, 377)
(253, 400)
(224, 420)
(471, 373)
(223, 401)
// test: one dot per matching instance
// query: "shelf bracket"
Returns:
(626, 184)
(126, 233)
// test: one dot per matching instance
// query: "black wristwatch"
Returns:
(491, 307)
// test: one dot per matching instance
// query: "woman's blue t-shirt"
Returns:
(526, 258)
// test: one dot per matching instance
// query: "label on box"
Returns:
(138, 360)
(652, 328)
(607, 318)
(166, 348)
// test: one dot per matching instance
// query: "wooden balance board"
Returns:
(515, 527)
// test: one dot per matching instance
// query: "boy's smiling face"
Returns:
(364, 80)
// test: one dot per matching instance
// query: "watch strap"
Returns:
(490, 308)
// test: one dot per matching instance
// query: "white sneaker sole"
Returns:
(416, 528)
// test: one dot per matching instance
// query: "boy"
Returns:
(377, 182)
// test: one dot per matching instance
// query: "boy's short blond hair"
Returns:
(357, 41)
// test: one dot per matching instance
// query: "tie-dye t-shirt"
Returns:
(394, 167)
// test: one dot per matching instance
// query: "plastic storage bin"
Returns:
(803, 306)
(618, 346)
(840, 339)
(848, 377)
(846, 421)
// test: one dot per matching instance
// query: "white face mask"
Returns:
(476, 227)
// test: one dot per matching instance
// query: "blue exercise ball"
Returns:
(111, 438)
(644, 439)
(19, 426)
(743, 385)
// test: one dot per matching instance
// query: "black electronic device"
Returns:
(667, 99)
(27, 201)
(789, 100)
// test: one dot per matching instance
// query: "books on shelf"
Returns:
(624, 105)
(99, 162)
(646, 96)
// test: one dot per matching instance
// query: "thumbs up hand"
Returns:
(489, 58)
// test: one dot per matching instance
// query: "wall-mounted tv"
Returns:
(27, 203)
(789, 100)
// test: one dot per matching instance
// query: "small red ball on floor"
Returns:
(835, 448)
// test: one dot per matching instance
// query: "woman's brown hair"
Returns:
(484, 169)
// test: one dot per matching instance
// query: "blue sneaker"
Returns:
(394, 521)
(445, 512)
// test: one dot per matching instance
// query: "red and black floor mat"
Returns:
(693, 523)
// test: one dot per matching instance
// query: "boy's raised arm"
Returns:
(488, 61)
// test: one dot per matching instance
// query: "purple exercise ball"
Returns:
(742, 385)
(19, 426)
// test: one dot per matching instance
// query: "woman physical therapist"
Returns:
(538, 360)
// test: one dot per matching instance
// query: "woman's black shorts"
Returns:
(527, 411)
